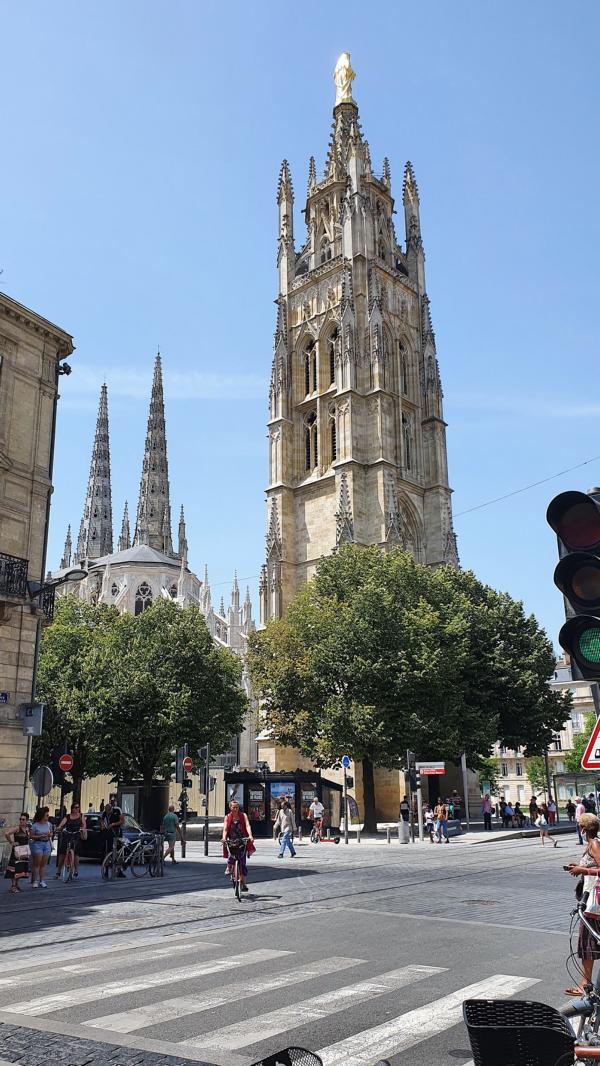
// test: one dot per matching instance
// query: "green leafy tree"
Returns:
(169, 684)
(580, 742)
(536, 772)
(378, 654)
(487, 772)
(72, 681)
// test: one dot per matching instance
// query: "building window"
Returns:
(173, 591)
(504, 750)
(577, 720)
(559, 766)
(519, 769)
(311, 450)
(307, 373)
(333, 438)
(407, 441)
(557, 744)
(403, 372)
(332, 346)
(114, 589)
(143, 597)
(521, 791)
(504, 769)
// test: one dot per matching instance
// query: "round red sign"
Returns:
(65, 762)
(187, 764)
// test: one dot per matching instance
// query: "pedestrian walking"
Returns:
(542, 824)
(570, 809)
(40, 835)
(429, 820)
(171, 830)
(101, 807)
(285, 824)
(18, 862)
(486, 810)
(551, 811)
(441, 827)
(579, 812)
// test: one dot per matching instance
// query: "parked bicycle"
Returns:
(142, 856)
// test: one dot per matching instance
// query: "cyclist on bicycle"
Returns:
(316, 812)
(235, 827)
(71, 829)
(113, 821)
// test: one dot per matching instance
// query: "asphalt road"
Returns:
(356, 952)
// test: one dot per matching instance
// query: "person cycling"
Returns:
(71, 829)
(236, 827)
(316, 812)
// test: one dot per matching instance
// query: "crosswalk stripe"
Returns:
(47, 1004)
(389, 1038)
(112, 963)
(280, 1021)
(179, 1006)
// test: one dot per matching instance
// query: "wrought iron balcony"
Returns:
(47, 599)
(13, 576)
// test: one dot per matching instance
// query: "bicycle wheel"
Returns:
(153, 863)
(107, 870)
(238, 882)
(67, 868)
(313, 837)
(138, 863)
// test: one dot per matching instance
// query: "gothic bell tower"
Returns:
(357, 444)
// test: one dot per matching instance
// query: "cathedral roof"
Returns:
(140, 553)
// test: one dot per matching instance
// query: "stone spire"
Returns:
(182, 546)
(153, 524)
(65, 562)
(235, 592)
(95, 532)
(125, 537)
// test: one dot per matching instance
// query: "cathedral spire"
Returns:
(312, 174)
(95, 532)
(66, 559)
(235, 591)
(153, 524)
(125, 537)
(182, 545)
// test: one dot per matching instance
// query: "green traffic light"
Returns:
(589, 644)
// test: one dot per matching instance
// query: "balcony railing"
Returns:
(13, 576)
(47, 598)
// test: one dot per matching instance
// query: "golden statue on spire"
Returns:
(343, 77)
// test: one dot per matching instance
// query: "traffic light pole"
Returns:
(206, 794)
(184, 807)
(420, 808)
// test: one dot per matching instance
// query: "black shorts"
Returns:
(66, 838)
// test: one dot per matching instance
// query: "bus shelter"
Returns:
(259, 794)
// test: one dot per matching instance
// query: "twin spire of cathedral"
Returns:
(153, 519)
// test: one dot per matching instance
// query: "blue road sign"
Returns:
(4, 697)
(346, 761)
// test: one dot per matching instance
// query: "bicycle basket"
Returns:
(291, 1056)
(516, 1033)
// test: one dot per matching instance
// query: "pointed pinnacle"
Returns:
(312, 174)
(285, 189)
(410, 189)
(387, 177)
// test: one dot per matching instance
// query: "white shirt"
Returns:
(316, 809)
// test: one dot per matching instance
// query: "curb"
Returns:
(522, 834)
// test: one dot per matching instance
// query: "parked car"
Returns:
(95, 845)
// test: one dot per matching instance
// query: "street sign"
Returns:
(591, 756)
(346, 760)
(42, 781)
(4, 697)
(428, 769)
(187, 764)
(65, 763)
(32, 715)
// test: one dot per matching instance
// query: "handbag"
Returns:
(591, 885)
(22, 851)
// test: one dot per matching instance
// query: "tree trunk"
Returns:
(370, 819)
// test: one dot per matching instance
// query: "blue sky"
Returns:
(141, 148)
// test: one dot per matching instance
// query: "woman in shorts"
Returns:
(40, 835)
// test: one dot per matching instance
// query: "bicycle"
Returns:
(141, 856)
(236, 850)
(69, 870)
(583, 1013)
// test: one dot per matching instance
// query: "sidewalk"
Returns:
(476, 834)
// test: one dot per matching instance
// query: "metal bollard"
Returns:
(358, 834)
(299, 834)
(329, 834)
(389, 835)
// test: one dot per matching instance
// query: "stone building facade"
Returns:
(146, 566)
(357, 437)
(32, 358)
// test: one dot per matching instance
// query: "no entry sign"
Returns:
(65, 763)
(187, 764)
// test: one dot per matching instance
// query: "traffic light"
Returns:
(575, 518)
(411, 766)
(61, 748)
(177, 757)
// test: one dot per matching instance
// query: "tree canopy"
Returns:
(123, 690)
(378, 653)
(580, 742)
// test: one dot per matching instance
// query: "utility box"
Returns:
(147, 810)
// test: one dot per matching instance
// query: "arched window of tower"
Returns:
(332, 347)
(311, 451)
(333, 438)
(325, 250)
(403, 370)
(143, 597)
(407, 441)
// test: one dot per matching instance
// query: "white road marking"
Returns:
(108, 963)
(279, 1021)
(179, 1006)
(47, 1004)
(366, 1047)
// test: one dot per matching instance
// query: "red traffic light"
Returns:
(575, 518)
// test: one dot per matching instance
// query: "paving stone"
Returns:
(32, 1047)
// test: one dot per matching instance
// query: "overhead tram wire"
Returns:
(469, 510)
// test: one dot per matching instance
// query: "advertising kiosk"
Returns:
(259, 794)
